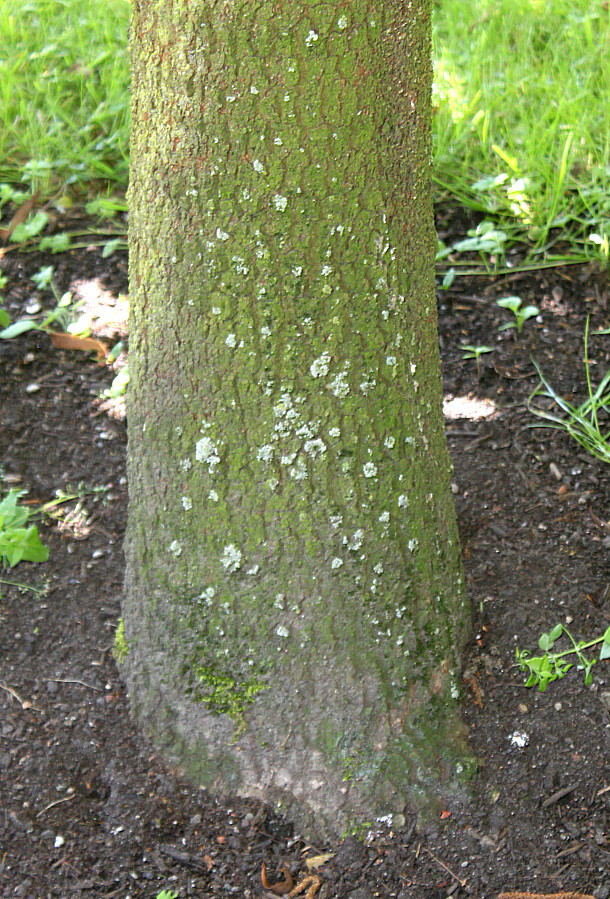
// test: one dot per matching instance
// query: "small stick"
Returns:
(12, 692)
(57, 802)
(461, 882)
(555, 797)
(518, 895)
(24, 703)
(73, 680)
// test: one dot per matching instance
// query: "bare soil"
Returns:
(87, 808)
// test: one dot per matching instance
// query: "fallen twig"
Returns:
(23, 702)
(191, 861)
(461, 882)
(555, 797)
(73, 680)
(57, 802)
(519, 895)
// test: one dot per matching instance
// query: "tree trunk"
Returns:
(294, 607)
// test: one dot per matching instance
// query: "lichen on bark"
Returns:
(291, 531)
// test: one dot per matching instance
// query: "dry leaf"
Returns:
(316, 861)
(64, 341)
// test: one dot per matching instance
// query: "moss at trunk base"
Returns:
(295, 609)
(225, 696)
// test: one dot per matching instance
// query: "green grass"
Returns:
(522, 128)
(64, 104)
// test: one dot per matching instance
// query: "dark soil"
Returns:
(88, 809)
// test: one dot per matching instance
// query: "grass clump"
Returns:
(64, 92)
(589, 423)
(522, 130)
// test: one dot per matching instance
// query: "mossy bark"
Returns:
(294, 605)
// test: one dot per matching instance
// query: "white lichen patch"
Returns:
(342, 22)
(187, 503)
(326, 270)
(412, 545)
(336, 563)
(299, 472)
(221, 235)
(384, 517)
(231, 558)
(280, 202)
(334, 432)
(390, 441)
(206, 451)
(311, 38)
(213, 496)
(356, 540)
(185, 464)
(367, 385)
(336, 521)
(319, 367)
(378, 568)
(231, 340)
(279, 601)
(403, 501)
(314, 448)
(339, 386)
(175, 548)
(369, 470)
(258, 166)
(308, 430)
(240, 265)
(265, 331)
(297, 271)
(282, 631)
(390, 360)
(265, 453)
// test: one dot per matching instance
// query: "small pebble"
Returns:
(32, 388)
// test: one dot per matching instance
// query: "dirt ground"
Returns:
(87, 809)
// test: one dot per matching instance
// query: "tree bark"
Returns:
(294, 606)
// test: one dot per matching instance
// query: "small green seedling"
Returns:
(551, 666)
(18, 541)
(475, 352)
(521, 314)
(62, 313)
(167, 894)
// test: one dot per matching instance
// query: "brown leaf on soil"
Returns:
(63, 341)
(283, 886)
(19, 217)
